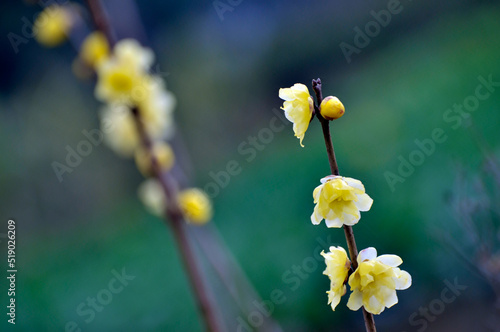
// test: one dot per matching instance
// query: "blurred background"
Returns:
(422, 99)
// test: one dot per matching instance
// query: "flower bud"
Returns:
(331, 108)
(195, 205)
(53, 25)
(94, 49)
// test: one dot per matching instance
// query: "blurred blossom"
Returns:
(196, 205)
(52, 25)
(151, 195)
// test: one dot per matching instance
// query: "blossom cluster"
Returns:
(137, 104)
(338, 200)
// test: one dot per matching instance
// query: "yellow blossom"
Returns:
(338, 200)
(152, 196)
(52, 26)
(94, 49)
(337, 267)
(164, 155)
(122, 75)
(119, 128)
(375, 281)
(156, 105)
(298, 107)
(130, 52)
(196, 205)
(331, 108)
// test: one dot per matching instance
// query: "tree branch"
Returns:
(349, 234)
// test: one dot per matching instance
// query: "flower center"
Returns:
(121, 81)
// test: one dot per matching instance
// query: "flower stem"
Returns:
(101, 21)
(175, 220)
(174, 217)
(369, 321)
(349, 234)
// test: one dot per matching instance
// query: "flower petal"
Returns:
(374, 306)
(316, 217)
(403, 281)
(329, 177)
(367, 254)
(391, 300)
(354, 183)
(391, 260)
(350, 219)
(334, 223)
(286, 94)
(364, 202)
(300, 89)
(355, 300)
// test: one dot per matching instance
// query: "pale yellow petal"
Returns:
(367, 254)
(391, 260)
(355, 300)
(403, 281)
(316, 217)
(334, 223)
(364, 202)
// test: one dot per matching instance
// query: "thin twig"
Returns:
(174, 217)
(349, 234)
(101, 20)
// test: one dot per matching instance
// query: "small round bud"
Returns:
(163, 153)
(331, 108)
(94, 49)
(52, 25)
(195, 205)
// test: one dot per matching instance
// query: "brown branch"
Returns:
(101, 20)
(325, 125)
(349, 234)
(369, 321)
(174, 217)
